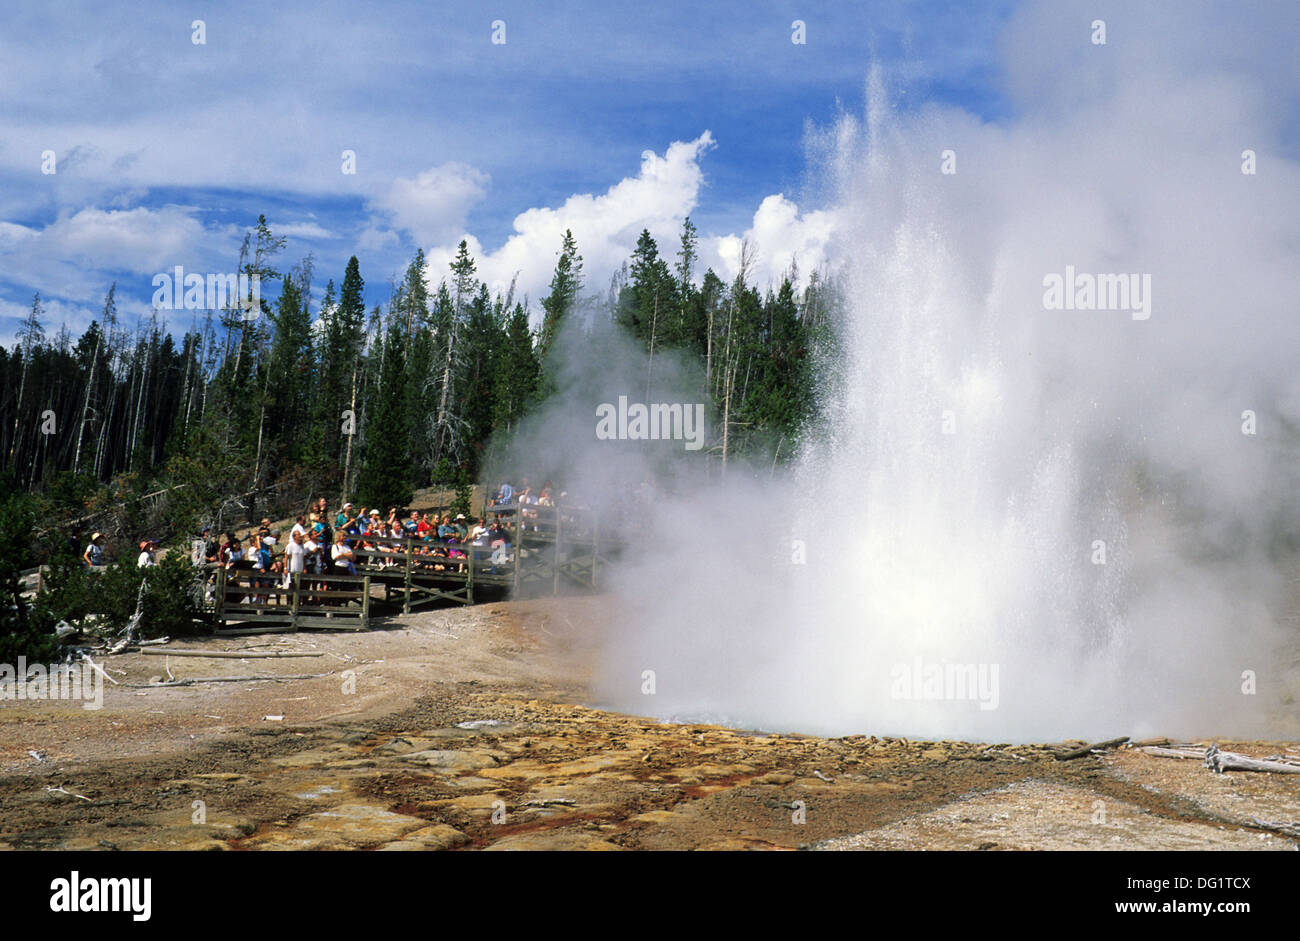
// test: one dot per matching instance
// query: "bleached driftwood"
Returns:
(1088, 749)
(1196, 752)
(227, 679)
(228, 654)
(61, 790)
(98, 669)
(1221, 761)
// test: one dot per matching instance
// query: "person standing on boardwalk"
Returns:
(146, 558)
(94, 554)
(295, 554)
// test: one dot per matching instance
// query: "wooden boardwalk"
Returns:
(332, 602)
(550, 551)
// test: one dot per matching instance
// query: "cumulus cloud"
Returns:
(779, 238)
(658, 198)
(433, 205)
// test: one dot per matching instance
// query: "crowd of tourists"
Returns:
(324, 543)
(321, 543)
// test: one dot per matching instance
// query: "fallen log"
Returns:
(1221, 761)
(226, 679)
(227, 654)
(1088, 749)
(1160, 751)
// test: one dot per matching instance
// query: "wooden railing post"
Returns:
(469, 581)
(406, 601)
(519, 543)
(556, 564)
(365, 601)
(221, 597)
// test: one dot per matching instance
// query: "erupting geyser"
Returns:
(1018, 521)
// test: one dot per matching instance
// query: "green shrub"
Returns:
(21, 634)
(74, 593)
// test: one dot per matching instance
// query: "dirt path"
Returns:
(459, 729)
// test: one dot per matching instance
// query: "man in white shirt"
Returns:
(312, 553)
(146, 558)
(295, 554)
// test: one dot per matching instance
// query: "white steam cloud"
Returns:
(1065, 504)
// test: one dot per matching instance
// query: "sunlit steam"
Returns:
(1016, 522)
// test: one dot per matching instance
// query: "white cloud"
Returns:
(304, 230)
(57, 313)
(778, 237)
(79, 252)
(606, 226)
(433, 206)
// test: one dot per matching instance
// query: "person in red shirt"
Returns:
(424, 526)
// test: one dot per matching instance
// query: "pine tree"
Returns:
(31, 336)
(447, 430)
(483, 333)
(290, 374)
(385, 478)
(566, 284)
(518, 371)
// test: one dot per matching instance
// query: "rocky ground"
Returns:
(462, 729)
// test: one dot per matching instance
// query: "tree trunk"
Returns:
(347, 462)
(654, 320)
(85, 408)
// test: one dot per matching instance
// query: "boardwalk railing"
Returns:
(332, 602)
(546, 549)
(431, 569)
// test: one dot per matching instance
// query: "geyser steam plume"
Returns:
(1021, 522)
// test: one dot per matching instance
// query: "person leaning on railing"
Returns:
(342, 555)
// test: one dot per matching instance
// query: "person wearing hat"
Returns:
(146, 559)
(462, 529)
(94, 554)
(344, 518)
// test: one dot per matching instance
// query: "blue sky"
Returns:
(167, 150)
